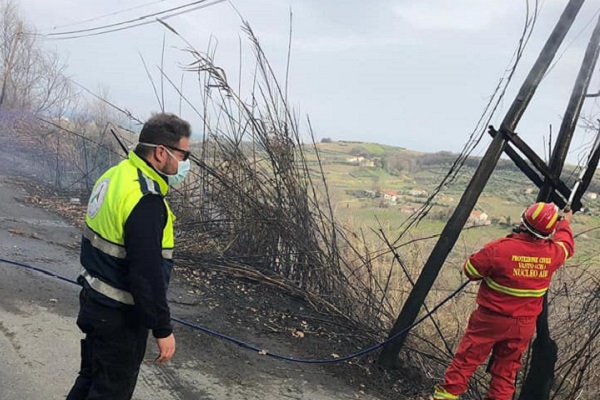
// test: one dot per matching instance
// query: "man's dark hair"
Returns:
(163, 128)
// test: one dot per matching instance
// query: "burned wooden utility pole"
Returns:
(571, 117)
(591, 168)
(389, 354)
(544, 351)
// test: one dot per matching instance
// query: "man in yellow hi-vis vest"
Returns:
(126, 254)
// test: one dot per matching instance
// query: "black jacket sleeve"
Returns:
(143, 242)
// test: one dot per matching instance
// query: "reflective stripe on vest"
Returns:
(103, 245)
(514, 291)
(107, 290)
(471, 270)
(112, 249)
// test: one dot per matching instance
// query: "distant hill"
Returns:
(370, 180)
(353, 164)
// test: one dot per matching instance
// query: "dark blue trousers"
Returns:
(111, 353)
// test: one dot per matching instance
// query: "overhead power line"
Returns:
(129, 21)
(91, 31)
(99, 17)
(122, 28)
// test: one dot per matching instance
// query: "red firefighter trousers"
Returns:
(506, 337)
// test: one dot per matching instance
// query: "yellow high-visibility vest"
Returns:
(115, 195)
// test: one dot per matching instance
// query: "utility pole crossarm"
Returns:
(527, 170)
(537, 162)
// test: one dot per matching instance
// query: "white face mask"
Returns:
(183, 167)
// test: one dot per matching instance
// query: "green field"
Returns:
(352, 185)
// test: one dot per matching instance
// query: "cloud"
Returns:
(461, 15)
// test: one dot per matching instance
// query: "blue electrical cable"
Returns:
(257, 349)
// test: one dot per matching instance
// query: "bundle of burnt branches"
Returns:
(259, 196)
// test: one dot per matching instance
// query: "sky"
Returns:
(414, 74)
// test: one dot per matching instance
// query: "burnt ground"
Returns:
(248, 309)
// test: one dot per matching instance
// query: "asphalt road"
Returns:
(39, 340)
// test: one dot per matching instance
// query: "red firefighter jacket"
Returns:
(516, 270)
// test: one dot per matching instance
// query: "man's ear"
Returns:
(160, 155)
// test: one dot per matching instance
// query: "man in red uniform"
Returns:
(515, 273)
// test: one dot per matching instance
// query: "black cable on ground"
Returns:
(249, 346)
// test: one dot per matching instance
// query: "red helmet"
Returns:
(540, 219)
